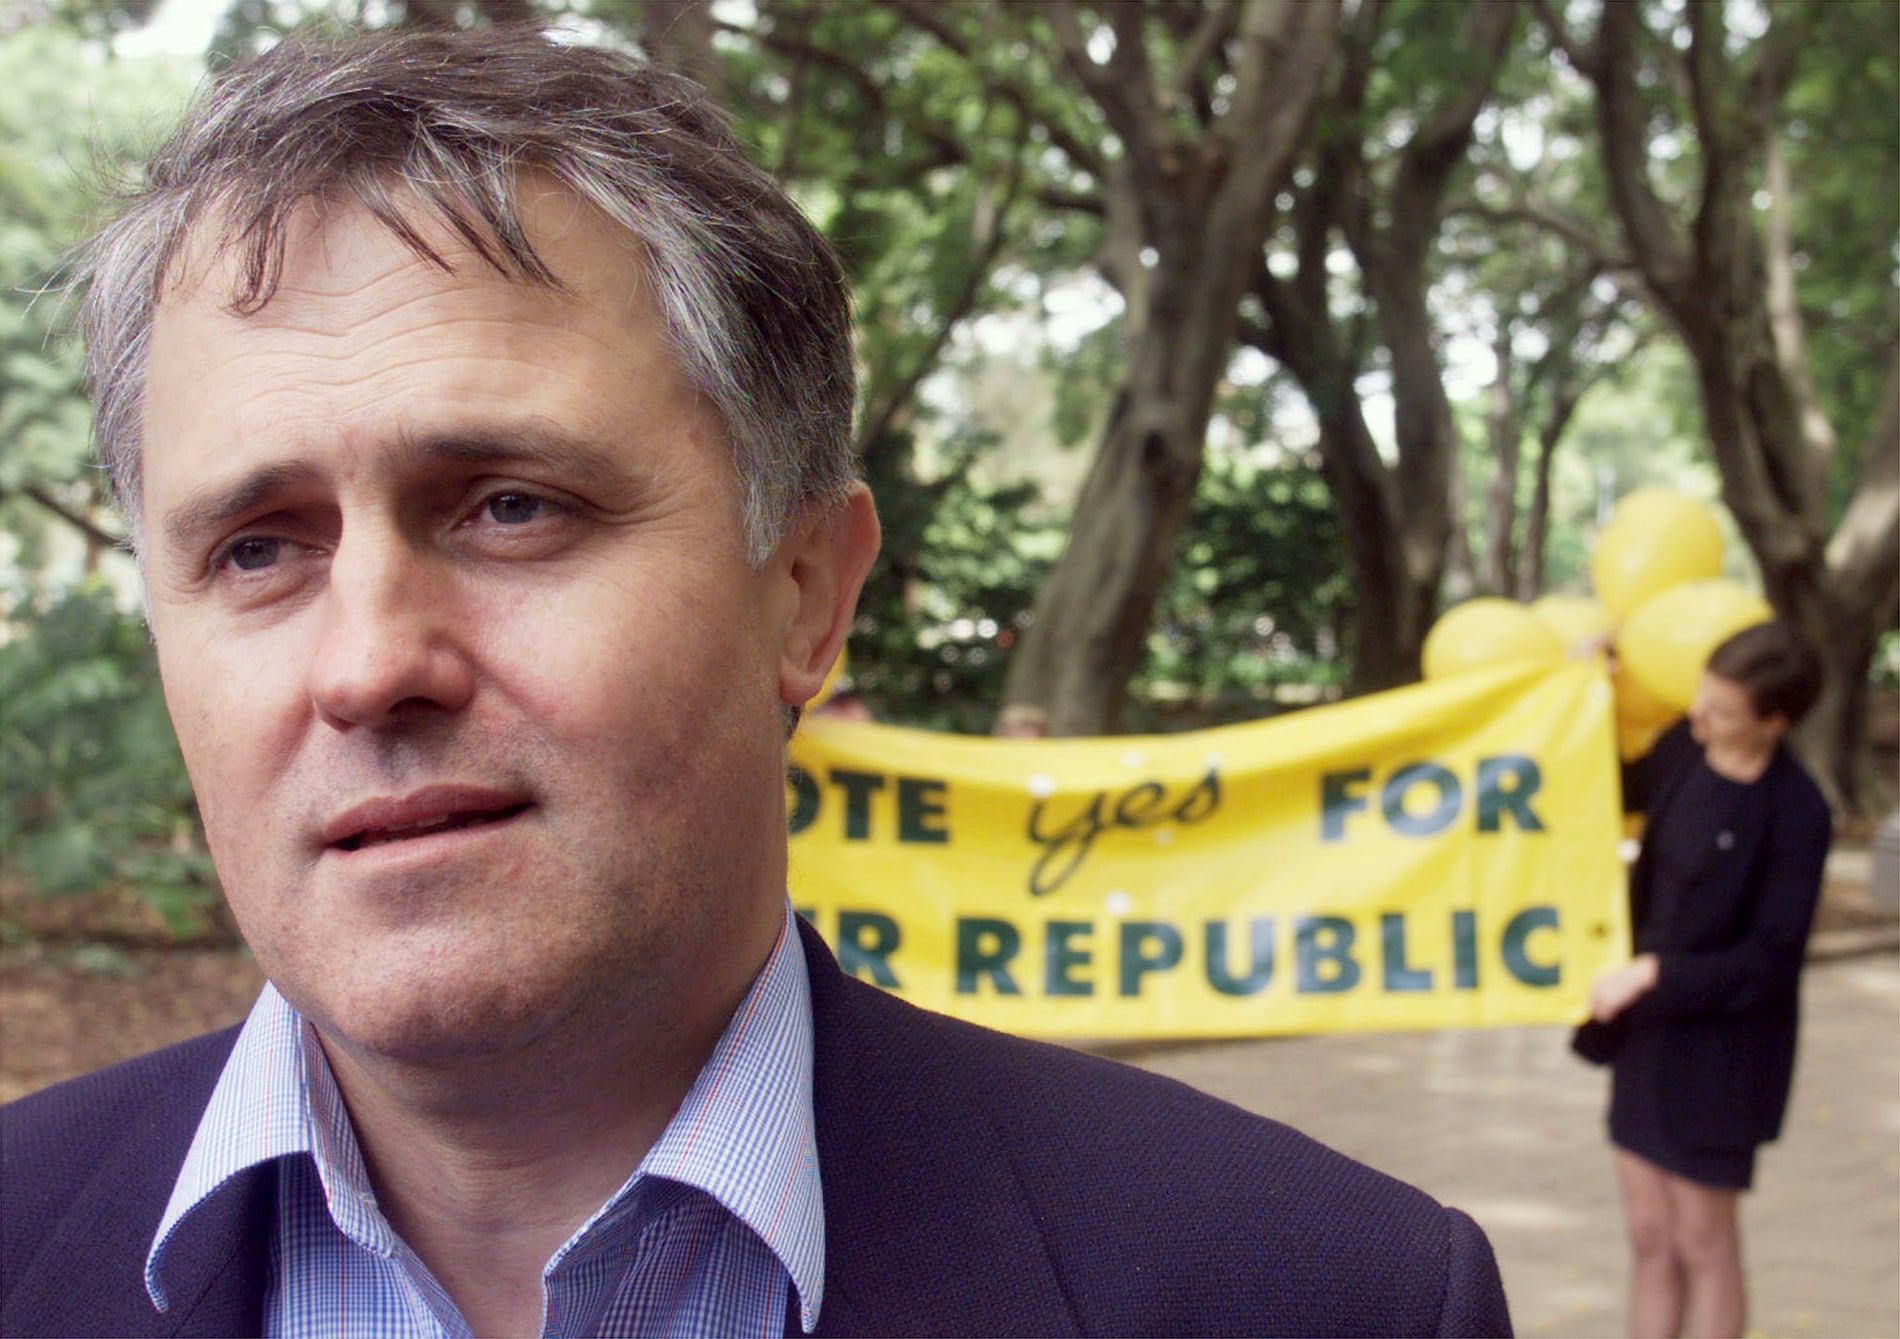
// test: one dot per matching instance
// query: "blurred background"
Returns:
(1209, 349)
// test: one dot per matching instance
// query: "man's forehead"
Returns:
(330, 246)
(363, 331)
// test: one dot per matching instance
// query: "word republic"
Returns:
(1329, 954)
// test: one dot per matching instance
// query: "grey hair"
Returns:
(755, 305)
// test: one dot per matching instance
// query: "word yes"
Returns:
(1147, 805)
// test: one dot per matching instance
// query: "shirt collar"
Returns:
(744, 1135)
(257, 1112)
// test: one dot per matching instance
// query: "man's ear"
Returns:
(826, 558)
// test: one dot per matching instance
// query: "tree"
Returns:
(92, 788)
(1557, 325)
(1194, 114)
(1393, 138)
(48, 495)
(1260, 597)
(1692, 123)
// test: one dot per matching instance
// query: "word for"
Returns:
(1235, 958)
(1504, 787)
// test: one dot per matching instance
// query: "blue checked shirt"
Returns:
(721, 1218)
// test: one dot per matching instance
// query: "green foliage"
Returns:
(1089, 375)
(951, 591)
(93, 791)
(1259, 598)
(1885, 672)
(1841, 134)
(62, 103)
(953, 171)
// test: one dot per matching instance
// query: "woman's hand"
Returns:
(1620, 987)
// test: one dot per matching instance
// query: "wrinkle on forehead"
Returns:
(301, 259)
(356, 307)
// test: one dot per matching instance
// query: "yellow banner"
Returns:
(1441, 855)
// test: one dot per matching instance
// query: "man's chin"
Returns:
(421, 1033)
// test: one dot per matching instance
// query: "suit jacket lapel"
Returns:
(218, 1264)
(927, 1228)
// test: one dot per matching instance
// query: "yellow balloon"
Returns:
(1576, 619)
(1656, 538)
(1481, 633)
(1666, 643)
(1640, 716)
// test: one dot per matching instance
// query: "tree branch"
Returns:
(989, 242)
(1079, 202)
(924, 16)
(1622, 122)
(949, 150)
(1121, 90)
(1279, 77)
(1439, 146)
(1864, 553)
(1207, 35)
(1573, 232)
(1784, 307)
(91, 531)
(1582, 59)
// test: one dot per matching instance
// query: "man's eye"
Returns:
(515, 508)
(251, 555)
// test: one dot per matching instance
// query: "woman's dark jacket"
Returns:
(1730, 949)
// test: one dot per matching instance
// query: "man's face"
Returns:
(479, 694)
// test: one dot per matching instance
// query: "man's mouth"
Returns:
(466, 818)
(428, 812)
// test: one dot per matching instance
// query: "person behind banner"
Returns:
(1022, 720)
(483, 422)
(1699, 1027)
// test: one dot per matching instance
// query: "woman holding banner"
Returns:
(1700, 1025)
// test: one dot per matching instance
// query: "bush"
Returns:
(93, 792)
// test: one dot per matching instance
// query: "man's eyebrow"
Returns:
(505, 445)
(211, 509)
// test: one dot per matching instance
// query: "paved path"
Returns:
(1507, 1125)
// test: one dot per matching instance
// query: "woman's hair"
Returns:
(1775, 664)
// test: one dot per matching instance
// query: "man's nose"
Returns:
(387, 641)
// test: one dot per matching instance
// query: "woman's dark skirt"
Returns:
(1638, 1124)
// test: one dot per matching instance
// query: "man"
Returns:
(482, 420)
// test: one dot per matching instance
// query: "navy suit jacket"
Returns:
(973, 1183)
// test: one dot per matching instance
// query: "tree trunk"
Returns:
(1089, 633)
(1530, 566)
(1717, 283)
(679, 34)
(1187, 219)
(1398, 519)
(1462, 579)
(1504, 432)
(1392, 610)
(1395, 257)
(1427, 444)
